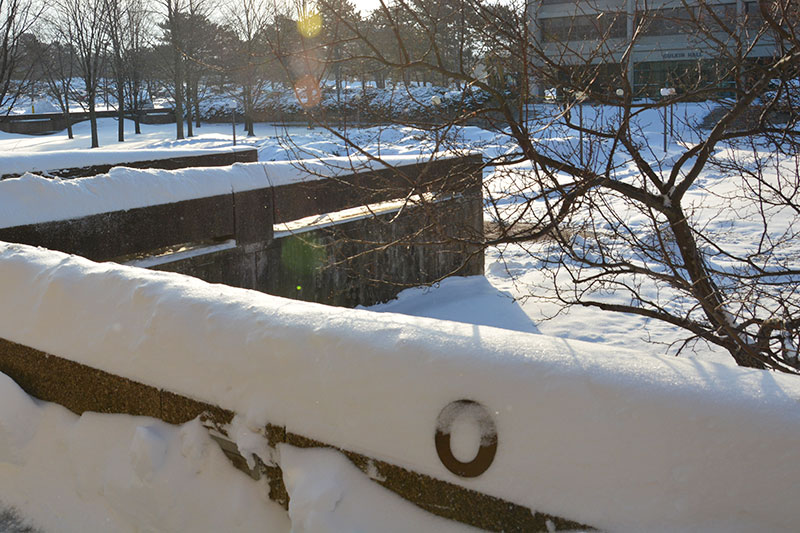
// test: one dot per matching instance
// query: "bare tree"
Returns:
(127, 28)
(81, 24)
(249, 20)
(296, 50)
(174, 35)
(137, 33)
(340, 43)
(57, 62)
(17, 17)
(616, 219)
(209, 47)
(116, 13)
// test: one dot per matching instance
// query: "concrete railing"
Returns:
(596, 434)
(82, 388)
(621, 440)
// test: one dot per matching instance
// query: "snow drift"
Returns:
(102, 472)
(603, 436)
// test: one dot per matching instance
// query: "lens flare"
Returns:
(310, 25)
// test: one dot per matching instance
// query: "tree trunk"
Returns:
(189, 118)
(120, 111)
(136, 111)
(363, 85)
(705, 290)
(67, 117)
(178, 90)
(248, 111)
(196, 102)
(93, 120)
(337, 70)
(68, 121)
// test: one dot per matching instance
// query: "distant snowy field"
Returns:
(154, 477)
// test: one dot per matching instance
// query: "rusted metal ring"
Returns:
(488, 448)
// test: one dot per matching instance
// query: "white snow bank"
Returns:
(600, 435)
(19, 162)
(100, 472)
(328, 494)
(470, 299)
(32, 199)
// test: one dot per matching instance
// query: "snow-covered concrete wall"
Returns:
(74, 164)
(33, 199)
(613, 439)
(219, 223)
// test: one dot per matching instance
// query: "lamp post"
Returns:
(233, 124)
(620, 93)
(666, 92)
(580, 96)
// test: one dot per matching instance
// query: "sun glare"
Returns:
(310, 24)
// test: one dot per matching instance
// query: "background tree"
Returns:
(56, 62)
(137, 34)
(17, 17)
(116, 21)
(174, 35)
(249, 20)
(81, 24)
(340, 42)
(209, 52)
(193, 21)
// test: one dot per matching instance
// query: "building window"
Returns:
(683, 20)
(752, 11)
(686, 76)
(674, 21)
(608, 25)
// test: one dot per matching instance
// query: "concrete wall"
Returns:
(44, 123)
(343, 264)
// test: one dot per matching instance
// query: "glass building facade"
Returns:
(655, 43)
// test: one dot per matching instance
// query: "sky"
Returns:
(365, 6)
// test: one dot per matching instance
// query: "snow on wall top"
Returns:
(610, 438)
(32, 199)
(19, 161)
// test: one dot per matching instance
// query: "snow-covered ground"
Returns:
(511, 270)
(627, 465)
(14, 148)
